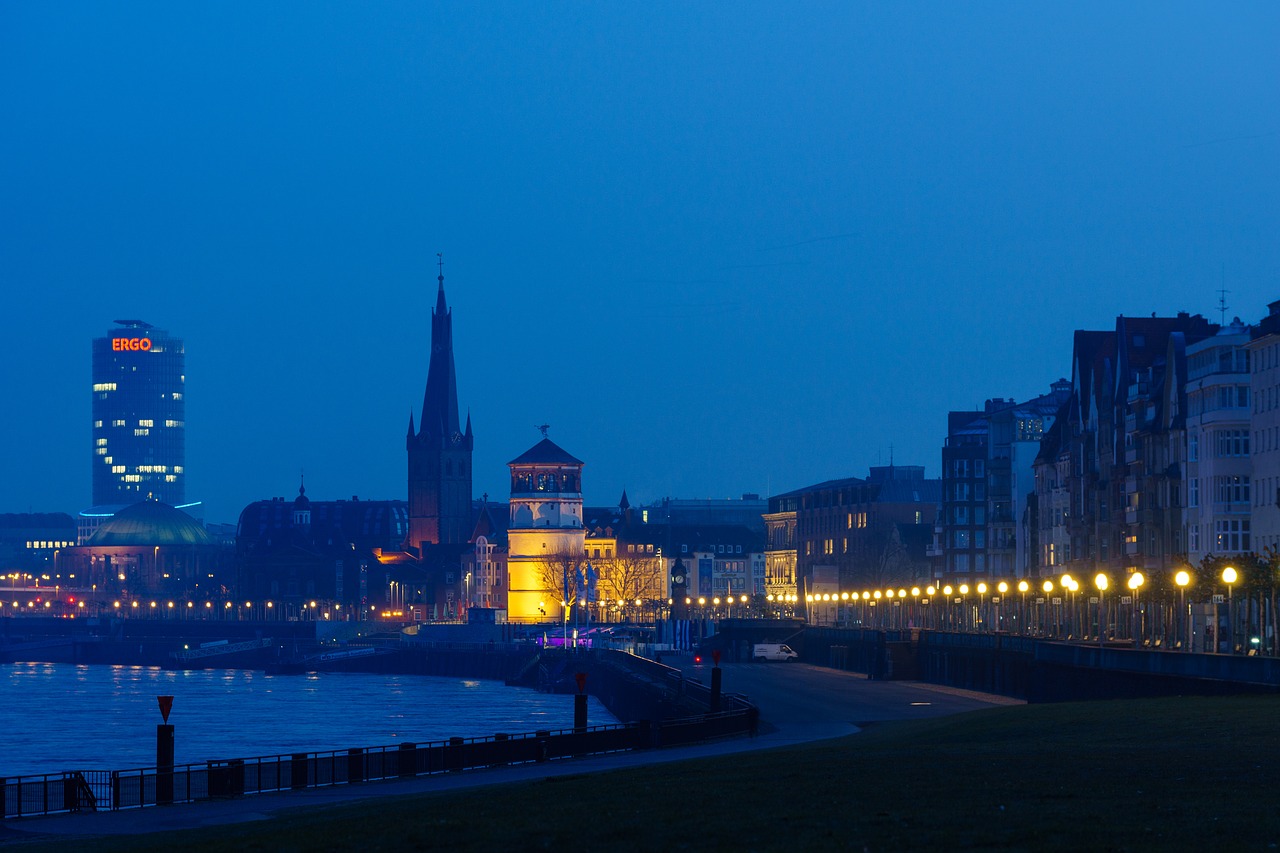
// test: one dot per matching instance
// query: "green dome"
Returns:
(150, 523)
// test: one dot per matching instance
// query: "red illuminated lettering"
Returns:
(131, 344)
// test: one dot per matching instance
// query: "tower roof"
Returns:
(545, 452)
(302, 502)
(440, 401)
(150, 523)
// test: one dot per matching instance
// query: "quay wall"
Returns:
(1030, 668)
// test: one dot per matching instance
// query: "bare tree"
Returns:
(627, 577)
(557, 573)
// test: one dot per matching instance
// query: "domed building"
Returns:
(150, 549)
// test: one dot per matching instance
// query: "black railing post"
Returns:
(408, 760)
(453, 754)
(298, 770)
(355, 765)
(235, 777)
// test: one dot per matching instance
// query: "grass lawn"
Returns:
(1167, 774)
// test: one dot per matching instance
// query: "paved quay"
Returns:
(799, 704)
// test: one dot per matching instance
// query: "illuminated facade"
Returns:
(544, 529)
(139, 428)
(780, 547)
(439, 449)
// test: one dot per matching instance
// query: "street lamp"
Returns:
(1182, 578)
(1136, 580)
(1048, 588)
(1101, 581)
(1229, 577)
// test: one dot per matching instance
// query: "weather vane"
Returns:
(544, 428)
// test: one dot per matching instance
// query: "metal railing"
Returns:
(102, 790)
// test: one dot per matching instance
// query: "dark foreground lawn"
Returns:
(1174, 774)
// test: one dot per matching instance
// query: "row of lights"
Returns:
(1136, 580)
(155, 605)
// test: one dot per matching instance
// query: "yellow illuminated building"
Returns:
(545, 536)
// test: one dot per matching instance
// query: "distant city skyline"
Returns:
(719, 249)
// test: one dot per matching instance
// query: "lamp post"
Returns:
(1101, 581)
(1182, 578)
(1069, 585)
(1048, 588)
(1229, 577)
(1136, 580)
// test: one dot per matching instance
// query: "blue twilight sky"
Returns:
(719, 247)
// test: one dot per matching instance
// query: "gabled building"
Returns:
(484, 566)
(1106, 486)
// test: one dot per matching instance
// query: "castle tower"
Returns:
(545, 536)
(440, 450)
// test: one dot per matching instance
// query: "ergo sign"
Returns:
(132, 344)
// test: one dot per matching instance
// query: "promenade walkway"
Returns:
(799, 704)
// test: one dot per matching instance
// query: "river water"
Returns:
(56, 717)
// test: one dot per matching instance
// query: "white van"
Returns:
(773, 651)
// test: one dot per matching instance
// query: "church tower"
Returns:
(440, 449)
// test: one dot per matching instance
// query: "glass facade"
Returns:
(139, 420)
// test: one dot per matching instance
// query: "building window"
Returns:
(1232, 534)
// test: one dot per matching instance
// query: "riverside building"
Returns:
(139, 412)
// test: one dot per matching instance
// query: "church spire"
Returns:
(440, 401)
(440, 306)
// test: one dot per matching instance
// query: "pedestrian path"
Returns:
(265, 806)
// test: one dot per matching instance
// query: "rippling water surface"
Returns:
(56, 717)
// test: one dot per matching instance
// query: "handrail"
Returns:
(143, 787)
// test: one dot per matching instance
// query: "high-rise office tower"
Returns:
(139, 427)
